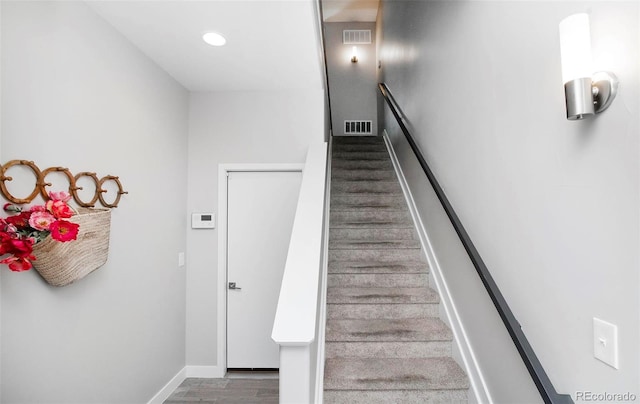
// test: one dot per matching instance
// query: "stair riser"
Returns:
(358, 202)
(391, 396)
(357, 140)
(362, 175)
(377, 280)
(366, 187)
(388, 330)
(390, 311)
(394, 374)
(372, 234)
(382, 295)
(359, 238)
(377, 256)
(364, 155)
(348, 267)
(363, 244)
(370, 219)
(362, 164)
(359, 147)
(421, 349)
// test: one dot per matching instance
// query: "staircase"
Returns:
(384, 340)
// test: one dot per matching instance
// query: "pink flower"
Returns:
(41, 220)
(59, 209)
(21, 248)
(5, 243)
(37, 208)
(9, 228)
(60, 196)
(15, 246)
(20, 232)
(62, 230)
(18, 264)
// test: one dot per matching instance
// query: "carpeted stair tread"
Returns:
(368, 238)
(372, 234)
(387, 349)
(364, 280)
(376, 267)
(363, 201)
(374, 187)
(378, 310)
(358, 244)
(390, 295)
(370, 218)
(357, 139)
(458, 396)
(342, 174)
(360, 155)
(381, 256)
(388, 330)
(394, 374)
(360, 147)
(362, 164)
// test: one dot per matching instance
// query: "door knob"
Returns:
(232, 286)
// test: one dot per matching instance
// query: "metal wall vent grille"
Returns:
(358, 127)
(356, 36)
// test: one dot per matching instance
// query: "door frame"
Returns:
(223, 173)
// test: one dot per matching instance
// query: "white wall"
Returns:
(77, 94)
(551, 205)
(353, 86)
(235, 127)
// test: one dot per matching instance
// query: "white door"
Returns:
(261, 209)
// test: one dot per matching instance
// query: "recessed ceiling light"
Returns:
(214, 39)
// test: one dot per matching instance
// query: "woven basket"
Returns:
(63, 263)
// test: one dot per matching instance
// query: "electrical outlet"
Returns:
(605, 342)
(181, 259)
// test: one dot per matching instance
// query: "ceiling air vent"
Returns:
(356, 36)
(358, 127)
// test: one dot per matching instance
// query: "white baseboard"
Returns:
(479, 388)
(205, 372)
(166, 391)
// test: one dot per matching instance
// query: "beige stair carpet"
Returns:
(384, 340)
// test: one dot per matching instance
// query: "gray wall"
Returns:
(235, 127)
(353, 86)
(75, 93)
(551, 205)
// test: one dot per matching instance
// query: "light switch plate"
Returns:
(605, 342)
(180, 259)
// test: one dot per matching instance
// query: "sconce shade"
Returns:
(354, 55)
(575, 47)
(586, 93)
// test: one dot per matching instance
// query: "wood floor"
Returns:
(230, 390)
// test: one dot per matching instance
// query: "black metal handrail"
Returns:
(539, 376)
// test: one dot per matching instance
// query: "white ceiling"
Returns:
(350, 10)
(270, 43)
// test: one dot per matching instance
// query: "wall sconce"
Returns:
(354, 55)
(586, 93)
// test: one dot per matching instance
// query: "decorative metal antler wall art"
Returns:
(41, 184)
